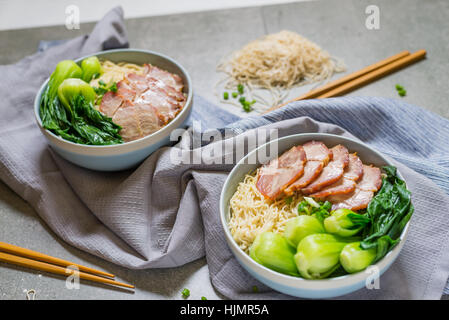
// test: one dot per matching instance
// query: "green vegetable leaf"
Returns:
(389, 212)
(185, 293)
(240, 88)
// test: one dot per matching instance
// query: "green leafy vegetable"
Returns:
(185, 293)
(318, 255)
(51, 112)
(91, 68)
(300, 227)
(72, 87)
(310, 207)
(102, 89)
(389, 212)
(67, 109)
(92, 126)
(240, 88)
(401, 91)
(273, 251)
(354, 259)
(345, 223)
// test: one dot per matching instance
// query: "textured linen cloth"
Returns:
(165, 215)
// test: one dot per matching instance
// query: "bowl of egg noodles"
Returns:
(110, 110)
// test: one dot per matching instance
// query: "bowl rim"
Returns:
(299, 282)
(135, 144)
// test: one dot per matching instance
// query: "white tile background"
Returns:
(18, 14)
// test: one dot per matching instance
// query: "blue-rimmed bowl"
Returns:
(127, 155)
(295, 286)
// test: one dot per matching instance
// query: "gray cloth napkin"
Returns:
(165, 215)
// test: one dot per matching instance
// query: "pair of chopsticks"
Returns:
(362, 77)
(32, 259)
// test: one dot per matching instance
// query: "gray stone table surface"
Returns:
(199, 41)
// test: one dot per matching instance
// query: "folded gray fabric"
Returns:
(165, 215)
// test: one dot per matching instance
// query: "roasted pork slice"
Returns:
(312, 170)
(172, 92)
(347, 182)
(354, 170)
(275, 176)
(371, 179)
(110, 103)
(168, 78)
(342, 186)
(137, 82)
(147, 118)
(126, 117)
(165, 106)
(317, 151)
(318, 155)
(357, 200)
(330, 173)
(126, 91)
(370, 183)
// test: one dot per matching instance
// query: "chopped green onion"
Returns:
(226, 95)
(185, 293)
(203, 298)
(255, 289)
(401, 91)
(113, 88)
(235, 94)
(240, 88)
(102, 83)
(312, 202)
(288, 200)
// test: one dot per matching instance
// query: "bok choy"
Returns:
(67, 106)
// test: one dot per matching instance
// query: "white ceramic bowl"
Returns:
(295, 286)
(129, 154)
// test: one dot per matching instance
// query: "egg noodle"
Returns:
(115, 72)
(252, 214)
(277, 62)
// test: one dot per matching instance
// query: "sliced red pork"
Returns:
(318, 155)
(370, 183)
(275, 176)
(345, 184)
(332, 172)
(144, 103)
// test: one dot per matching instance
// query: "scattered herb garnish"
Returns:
(240, 88)
(288, 200)
(102, 89)
(203, 298)
(401, 91)
(185, 293)
(311, 207)
(246, 104)
(255, 289)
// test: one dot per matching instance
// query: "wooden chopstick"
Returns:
(374, 75)
(19, 251)
(359, 78)
(43, 266)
